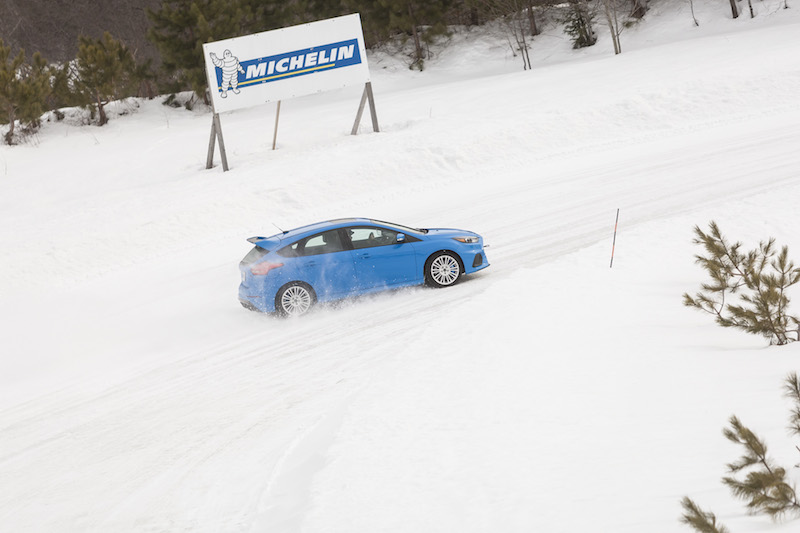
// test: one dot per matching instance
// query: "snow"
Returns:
(548, 392)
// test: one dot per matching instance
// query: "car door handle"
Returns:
(311, 264)
(364, 256)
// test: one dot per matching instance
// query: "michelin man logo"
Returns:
(230, 68)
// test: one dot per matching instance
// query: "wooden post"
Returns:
(367, 94)
(216, 134)
(211, 143)
(614, 243)
(372, 112)
(277, 116)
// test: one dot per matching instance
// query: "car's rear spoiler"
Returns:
(253, 240)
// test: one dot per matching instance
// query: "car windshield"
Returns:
(400, 228)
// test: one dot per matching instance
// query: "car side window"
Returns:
(321, 243)
(369, 236)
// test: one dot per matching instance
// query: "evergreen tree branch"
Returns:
(699, 520)
(763, 277)
(764, 486)
(791, 390)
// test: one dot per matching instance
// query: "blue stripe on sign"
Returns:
(296, 63)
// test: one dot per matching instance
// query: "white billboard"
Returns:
(286, 63)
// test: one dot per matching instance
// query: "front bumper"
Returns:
(475, 260)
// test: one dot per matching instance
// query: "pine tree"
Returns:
(579, 24)
(791, 390)
(701, 521)
(63, 93)
(181, 28)
(302, 11)
(23, 90)
(375, 19)
(105, 71)
(423, 20)
(764, 487)
(760, 277)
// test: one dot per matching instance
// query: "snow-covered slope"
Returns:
(546, 393)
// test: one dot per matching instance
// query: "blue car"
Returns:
(291, 271)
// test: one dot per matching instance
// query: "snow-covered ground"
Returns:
(547, 393)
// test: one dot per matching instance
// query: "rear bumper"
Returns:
(255, 302)
(248, 305)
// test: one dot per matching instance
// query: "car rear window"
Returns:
(254, 255)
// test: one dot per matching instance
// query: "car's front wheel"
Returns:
(442, 269)
(294, 299)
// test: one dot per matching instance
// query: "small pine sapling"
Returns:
(791, 389)
(760, 278)
(764, 486)
(579, 24)
(699, 520)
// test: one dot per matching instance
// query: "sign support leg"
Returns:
(373, 113)
(216, 134)
(277, 116)
(367, 94)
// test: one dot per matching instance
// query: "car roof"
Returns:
(320, 226)
(302, 231)
(295, 233)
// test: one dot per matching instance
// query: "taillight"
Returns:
(262, 269)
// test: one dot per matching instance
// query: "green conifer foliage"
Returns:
(23, 90)
(105, 71)
(303, 11)
(760, 278)
(63, 93)
(754, 477)
(791, 390)
(181, 28)
(701, 521)
(374, 20)
(764, 486)
(579, 24)
(423, 20)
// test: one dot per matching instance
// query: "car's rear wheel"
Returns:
(442, 269)
(295, 299)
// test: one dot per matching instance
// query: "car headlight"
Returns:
(467, 240)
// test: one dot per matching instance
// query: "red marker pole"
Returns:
(614, 244)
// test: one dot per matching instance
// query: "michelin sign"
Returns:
(287, 63)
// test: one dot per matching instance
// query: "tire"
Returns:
(295, 299)
(443, 269)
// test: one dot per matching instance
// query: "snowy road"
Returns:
(139, 396)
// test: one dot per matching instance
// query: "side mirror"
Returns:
(401, 238)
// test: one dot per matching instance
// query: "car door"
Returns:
(380, 261)
(323, 261)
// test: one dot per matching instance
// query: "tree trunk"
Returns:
(523, 47)
(417, 45)
(734, 9)
(691, 6)
(610, 9)
(639, 8)
(101, 111)
(532, 19)
(9, 136)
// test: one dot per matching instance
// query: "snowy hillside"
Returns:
(547, 393)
